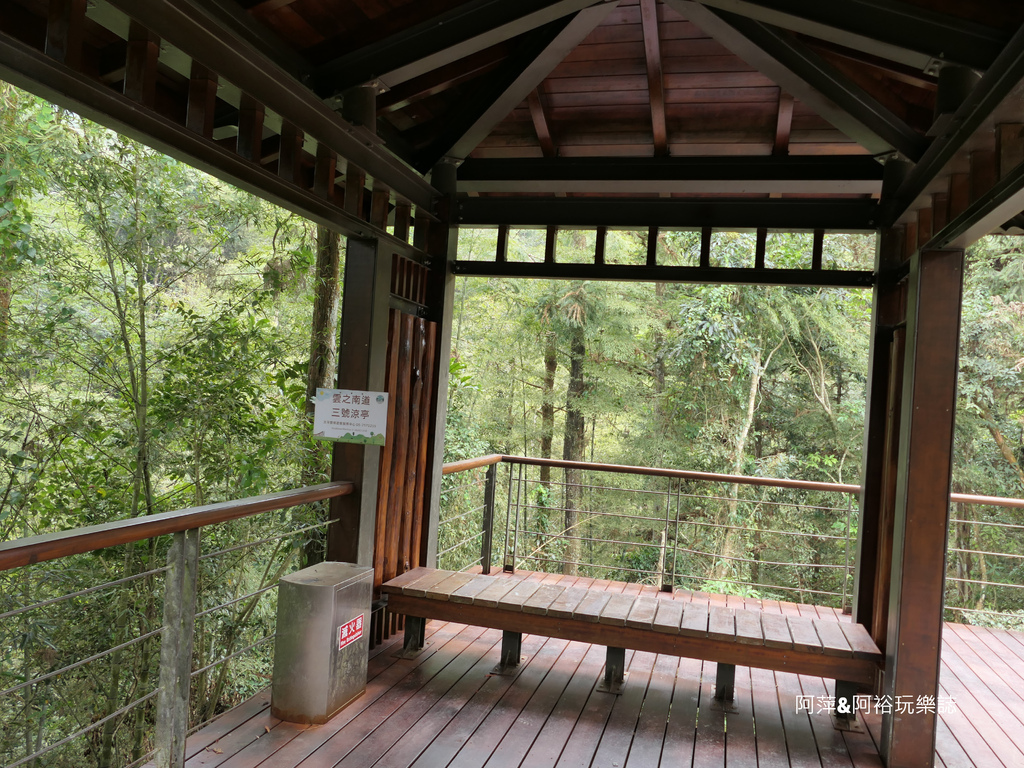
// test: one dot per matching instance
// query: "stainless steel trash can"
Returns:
(323, 626)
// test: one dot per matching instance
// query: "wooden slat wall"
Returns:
(400, 528)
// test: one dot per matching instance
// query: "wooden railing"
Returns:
(179, 600)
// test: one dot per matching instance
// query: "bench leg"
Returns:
(614, 671)
(845, 717)
(415, 635)
(725, 682)
(511, 653)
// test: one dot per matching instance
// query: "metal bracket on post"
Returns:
(488, 523)
(845, 716)
(511, 654)
(615, 675)
(725, 687)
(176, 649)
(415, 637)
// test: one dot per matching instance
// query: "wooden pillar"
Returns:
(881, 442)
(362, 358)
(917, 588)
(442, 245)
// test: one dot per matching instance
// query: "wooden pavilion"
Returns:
(395, 122)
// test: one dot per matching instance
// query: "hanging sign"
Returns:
(350, 416)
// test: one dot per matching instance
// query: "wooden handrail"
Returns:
(773, 482)
(467, 464)
(50, 546)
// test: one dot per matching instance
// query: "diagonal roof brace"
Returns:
(893, 30)
(801, 72)
(462, 31)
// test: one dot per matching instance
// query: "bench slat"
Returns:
(467, 592)
(668, 617)
(513, 599)
(748, 628)
(860, 641)
(776, 630)
(722, 623)
(399, 582)
(644, 609)
(833, 641)
(617, 610)
(490, 596)
(541, 600)
(804, 637)
(443, 589)
(695, 620)
(590, 607)
(566, 603)
(419, 587)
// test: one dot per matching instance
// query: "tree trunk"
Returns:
(547, 408)
(573, 447)
(323, 360)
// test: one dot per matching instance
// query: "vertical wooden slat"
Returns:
(410, 525)
(909, 239)
(355, 189)
(983, 172)
(140, 68)
(652, 246)
(403, 219)
(959, 193)
(384, 478)
(501, 251)
(290, 157)
(326, 171)
(379, 202)
(940, 211)
(421, 232)
(1009, 146)
(817, 249)
(760, 248)
(599, 246)
(65, 23)
(924, 225)
(783, 124)
(249, 144)
(705, 247)
(202, 100)
(550, 239)
(419, 552)
(396, 483)
(922, 503)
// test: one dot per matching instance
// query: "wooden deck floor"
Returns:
(444, 709)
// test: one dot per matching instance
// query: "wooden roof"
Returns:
(717, 101)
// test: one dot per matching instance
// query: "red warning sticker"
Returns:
(350, 631)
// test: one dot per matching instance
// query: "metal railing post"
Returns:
(488, 525)
(176, 648)
(666, 586)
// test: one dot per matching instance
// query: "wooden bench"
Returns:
(834, 649)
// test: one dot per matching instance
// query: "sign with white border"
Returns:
(350, 416)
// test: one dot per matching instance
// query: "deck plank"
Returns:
(641, 615)
(617, 737)
(805, 638)
(668, 616)
(740, 735)
(541, 600)
(649, 738)
(566, 603)
(467, 592)
(748, 628)
(590, 607)
(616, 610)
(833, 639)
(709, 744)
(444, 588)
(776, 631)
(695, 620)
(721, 623)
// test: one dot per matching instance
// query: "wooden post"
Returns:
(442, 245)
(362, 358)
(874, 542)
(922, 504)
(176, 649)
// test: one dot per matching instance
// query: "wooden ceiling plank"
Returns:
(799, 71)
(65, 24)
(655, 75)
(476, 116)
(890, 29)
(471, 27)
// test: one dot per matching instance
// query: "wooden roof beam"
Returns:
(540, 124)
(502, 90)
(889, 29)
(639, 175)
(845, 214)
(800, 71)
(655, 76)
(462, 31)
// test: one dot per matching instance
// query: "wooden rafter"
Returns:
(540, 124)
(783, 124)
(808, 77)
(655, 76)
(510, 84)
